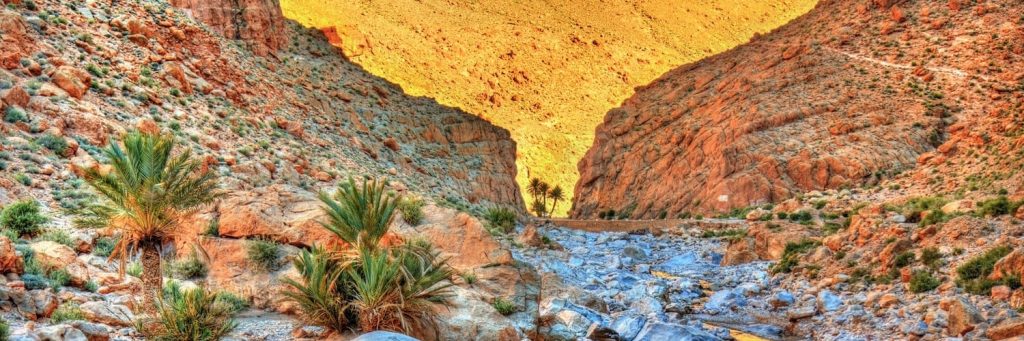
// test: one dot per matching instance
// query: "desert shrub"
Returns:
(469, 277)
(68, 311)
(190, 267)
(53, 142)
(5, 329)
(23, 217)
(503, 306)
(236, 303)
(91, 286)
(194, 315)
(931, 256)
(14, 115)
(412, 210)
(134, 269)
(913, 208)
(934, 217)
(104, 246)
(501, 218)
(791, 255)
(57, 236)
(782, 215)
(58, 278)
(904, 259)
(213, 228)
(1001, 205)
(729, 234)
(923, 281)
(263, 254)
(972, 275)
(801, 216)
(35, 281)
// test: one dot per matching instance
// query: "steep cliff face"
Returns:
(258, 22)
(303, 116)
(545, 70)
(846, 95)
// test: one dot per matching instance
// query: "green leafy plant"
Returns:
(23, 217)
(322, 292)
(194, 315)
(59, 278)
(262, 253)
(412, 210)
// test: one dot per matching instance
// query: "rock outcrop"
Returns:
(842, 96)
(257, 22)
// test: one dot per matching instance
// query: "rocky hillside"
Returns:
(76, 74)
(544, 70)
(854, 93)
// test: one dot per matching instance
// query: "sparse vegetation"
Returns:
(195, 314)
(503, 306)
(53, 142)
(730, 234)
(791, 255)
(262, 253)
(501, 218)
(923, 281)
(412, 210)
(190, 268)
(998, 206)
(67, 311)
(973, 274)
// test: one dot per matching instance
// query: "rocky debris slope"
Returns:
(76, 74)
(851, 93)
(257, 22)
(544, 70)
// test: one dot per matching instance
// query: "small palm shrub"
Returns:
(262, 253)
(412, 210)
(360, 215)
(371, 286)
(501, 218)
(194, 315)
(23, 217)
(68, 311)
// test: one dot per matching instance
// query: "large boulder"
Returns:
(231, 270)
(72, 80)
(108, 313)
(284, 213)
(10, 261)
(1011, 264)
(15, 43)
(963, 316)
(52, 254)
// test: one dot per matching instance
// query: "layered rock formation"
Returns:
(847, 95)
(545, 70)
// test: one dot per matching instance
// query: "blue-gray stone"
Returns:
(827, 301)
(724, 301)
(628, 325)
(384, 336)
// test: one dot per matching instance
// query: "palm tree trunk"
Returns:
(554, 203)
(152, 276)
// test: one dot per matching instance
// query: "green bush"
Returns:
(412, 210)
(904, 259)
(14, 115)
(934, 217)
(791, 255)
(57, 236)
(104, 246)
(263, 254)
(59, 278)
(236, 303)
(34, 281)
(68, 311)
(194, 315)
(996, 207)
(24, 217)
(134, 269)
(931, 256)
(502, 218)
(91, 286)
(190, 268)
(913, 208)
(923, 281)
(503, 306)
(973, 274)
(5, 330)
(53, 142)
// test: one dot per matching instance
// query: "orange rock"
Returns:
(72, 80)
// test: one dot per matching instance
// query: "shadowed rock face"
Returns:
(842, 96)
(258, 22)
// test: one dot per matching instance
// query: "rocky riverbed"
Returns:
(650, 286)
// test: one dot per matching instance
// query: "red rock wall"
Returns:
(846, 95)
(258, 22)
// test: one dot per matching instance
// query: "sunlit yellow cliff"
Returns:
(547, 71)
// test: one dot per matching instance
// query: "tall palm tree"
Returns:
(360, 215)
(148, 192)
(534, 188)
(556, 194)
(544, 187)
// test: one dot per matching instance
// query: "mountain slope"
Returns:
(849, 94)
(545, 70)
(81, 73)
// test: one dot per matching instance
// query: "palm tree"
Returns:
(544, 187)
(147, 194)
(534, 188)
(360, 215)
(556, 194)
